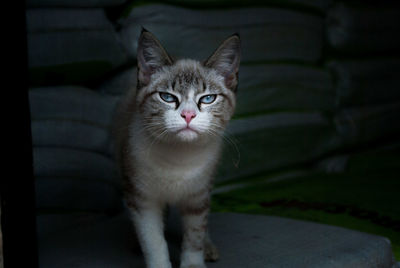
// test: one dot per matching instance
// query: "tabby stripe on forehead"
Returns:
(204, 86)
(173, 84)
(146, 97)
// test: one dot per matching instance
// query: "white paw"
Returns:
(160, 265)
(192, 259)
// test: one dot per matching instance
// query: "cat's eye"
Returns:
(208, 99)
(168, 97)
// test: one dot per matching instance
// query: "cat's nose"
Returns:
(188, 115)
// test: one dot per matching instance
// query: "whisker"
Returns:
(230, 141)
(157, 139)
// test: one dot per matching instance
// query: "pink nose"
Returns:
(188, 115)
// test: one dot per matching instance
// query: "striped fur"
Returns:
(165, 160)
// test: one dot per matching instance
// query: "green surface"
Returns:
(364, 197)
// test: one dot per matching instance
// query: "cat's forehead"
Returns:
(187, 71)
(189, 74)
(187, 66)
(186, 76)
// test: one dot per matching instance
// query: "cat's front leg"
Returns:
(194, 218)
(210, 250)
(148, 220)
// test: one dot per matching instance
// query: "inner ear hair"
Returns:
(226, 59)
(151, 56)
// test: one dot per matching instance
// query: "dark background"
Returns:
(316, 131)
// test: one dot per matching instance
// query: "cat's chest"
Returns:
(173, 166)
(171, 181)
(173, 172)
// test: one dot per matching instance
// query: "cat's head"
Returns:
(186, 100)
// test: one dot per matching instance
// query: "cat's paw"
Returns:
(199, 263)
(192, 259)
(210, 252)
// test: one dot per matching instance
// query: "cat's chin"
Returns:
(187, 135)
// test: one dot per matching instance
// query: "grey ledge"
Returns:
(251, 241)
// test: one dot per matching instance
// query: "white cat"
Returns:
(169, 141)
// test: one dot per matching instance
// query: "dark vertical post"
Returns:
(18, 217)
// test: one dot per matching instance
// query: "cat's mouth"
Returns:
(187, 133)
(188, 129)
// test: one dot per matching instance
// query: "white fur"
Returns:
(192, 259)
(149, 228)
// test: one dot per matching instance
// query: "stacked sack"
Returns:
(364, 44)
(71, 45)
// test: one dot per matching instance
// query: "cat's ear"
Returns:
(151, 56)
(226, 59)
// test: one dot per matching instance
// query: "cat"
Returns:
(170, 138)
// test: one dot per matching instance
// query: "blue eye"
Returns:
(208, 99)
(168, 97)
